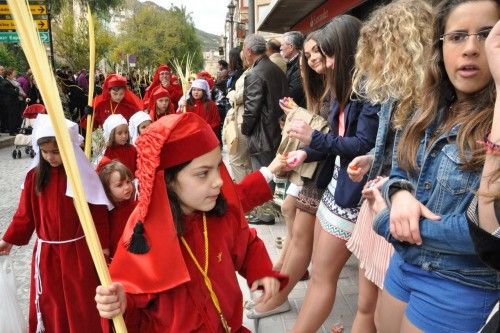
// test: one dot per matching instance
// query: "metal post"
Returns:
(231, 37)
(51, 43)
(231, 8)
(251, 16)
(226, 53)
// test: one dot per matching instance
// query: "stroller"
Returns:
(23, 139)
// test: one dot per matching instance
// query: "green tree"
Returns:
(71, 41)
(157, 36)
(97, 6)
(11, 55)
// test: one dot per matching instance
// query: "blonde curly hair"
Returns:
(393, 51)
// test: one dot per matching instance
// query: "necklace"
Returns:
(111, 107)
(204, 273)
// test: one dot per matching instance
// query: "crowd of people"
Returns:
(386, 134)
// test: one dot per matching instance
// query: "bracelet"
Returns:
(398, 186)
(490, 147)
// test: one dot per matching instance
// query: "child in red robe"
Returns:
(117, 181)
(199, 102)
(160, 104)
(63, 278)
(175, 264)
(138, 123)
(204, 75)
(116, 98)
(163, 77)
(117, 140)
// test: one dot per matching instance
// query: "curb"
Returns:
(6, 141)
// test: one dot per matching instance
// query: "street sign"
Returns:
(35, 9)
(13, 37)
(9, 25)
(132, 60)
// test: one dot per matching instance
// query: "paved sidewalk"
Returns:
(12, 173)
(11, 177)
(6, 140)
(346, 298)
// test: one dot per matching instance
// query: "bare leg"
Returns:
(317, 229)
(390, 312)
(408, 327)
(297, 260)
(364, 322)
(288, 211)
(329, 258)
(376, 316)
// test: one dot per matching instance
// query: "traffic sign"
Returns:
(35, 9)
(10, 25)
(13, 37)
(132, 60)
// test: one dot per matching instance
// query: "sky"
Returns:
(208, 15)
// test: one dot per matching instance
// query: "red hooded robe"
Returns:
(104, 106)
(165, 291)
(174, 89)
(68, 276)
(207, 111)
(158, 93)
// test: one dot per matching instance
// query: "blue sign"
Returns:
(13, 37)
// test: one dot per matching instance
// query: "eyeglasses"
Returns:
(460, 37)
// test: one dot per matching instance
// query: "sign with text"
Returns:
(324, 13)
(13, 37)
(10, 25)
(35, 9)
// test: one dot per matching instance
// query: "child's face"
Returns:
(121, 135)
(50, 153)
(162, 105)
(465, 59)
(315, 59)
(117, 94)
(198, 185)
(197, 93)
(120, 189)
(142, 126)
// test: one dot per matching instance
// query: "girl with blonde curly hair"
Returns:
(393, 49)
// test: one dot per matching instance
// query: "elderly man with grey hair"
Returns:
(290, 50)
(264, 85)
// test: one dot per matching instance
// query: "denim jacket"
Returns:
(384, 124)
(447, 248)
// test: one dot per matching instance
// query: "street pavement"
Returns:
(12, 173)
(345, 306)
(11, 177)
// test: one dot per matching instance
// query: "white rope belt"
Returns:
(38, 278)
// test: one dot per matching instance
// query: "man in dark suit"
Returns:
(264, 85)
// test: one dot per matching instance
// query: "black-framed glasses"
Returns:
(460, 37)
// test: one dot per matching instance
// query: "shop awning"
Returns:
(286, 13)
(303, 15)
